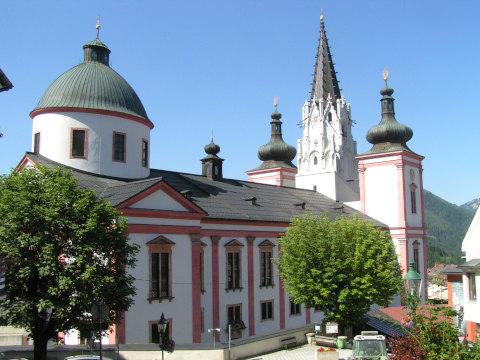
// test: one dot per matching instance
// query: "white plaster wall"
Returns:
(158, 201)
(412, 219)
(55, 134)
(325, 183)
(471, 241)
(381, 194)
(471, 308)
(179, 309)
(265, 293)
(232, 297)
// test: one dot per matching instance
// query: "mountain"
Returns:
(474, 204)
(447, 224)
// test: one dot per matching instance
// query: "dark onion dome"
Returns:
(93, 86)
(276, 153)
(212, 148)
(389, 135)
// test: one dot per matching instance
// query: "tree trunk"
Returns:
(40, 347)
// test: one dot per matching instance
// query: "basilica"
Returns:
(206, 241)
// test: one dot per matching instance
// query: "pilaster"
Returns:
(196, 288)
(251, 288)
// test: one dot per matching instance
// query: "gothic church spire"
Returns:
(324, 77)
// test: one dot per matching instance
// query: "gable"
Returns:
(159, 200)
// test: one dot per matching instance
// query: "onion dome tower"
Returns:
(212, 163)
(91, 119)
(391, 185)
(389, 135)
(276, 167)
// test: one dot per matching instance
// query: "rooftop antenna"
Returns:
(98, 26)
(385, 77)
(275, 102)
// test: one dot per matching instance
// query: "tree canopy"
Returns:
(63, 250)
(340, 266)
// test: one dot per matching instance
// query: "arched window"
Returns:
(315, 161)
(413, 198)
(314, 187)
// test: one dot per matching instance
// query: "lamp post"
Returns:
(162, 327)
(413, 285)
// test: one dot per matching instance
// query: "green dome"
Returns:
(276, 153)
(92, 85)
(389, 135)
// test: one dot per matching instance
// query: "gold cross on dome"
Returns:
(275, 102)
(385, 76)
(98, 26)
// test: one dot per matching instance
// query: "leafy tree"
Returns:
(63, 249)
(341, 266)
(432, 336)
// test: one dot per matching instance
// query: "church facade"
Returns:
(207, 242)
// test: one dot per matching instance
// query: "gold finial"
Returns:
(385, 76)
(98, 26)
(275, 102)
(212, 135)
(321, 15)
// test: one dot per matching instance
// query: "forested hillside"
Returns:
(447, 224)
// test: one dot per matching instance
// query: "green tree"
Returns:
(341, 266)
(63, 249)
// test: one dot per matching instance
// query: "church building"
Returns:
(207, 241)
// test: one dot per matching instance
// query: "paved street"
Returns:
(306, 352)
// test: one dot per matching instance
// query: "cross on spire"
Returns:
(98, 26)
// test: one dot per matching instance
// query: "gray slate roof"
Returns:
(220, 199)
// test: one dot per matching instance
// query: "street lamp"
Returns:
(413, 281)
(413, 284)
(162, 327)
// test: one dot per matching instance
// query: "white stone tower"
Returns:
(91, 119)
(326, 152)
(391, 186)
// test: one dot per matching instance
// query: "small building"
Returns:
(471, 277)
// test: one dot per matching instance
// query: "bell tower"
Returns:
(326, 151)
(391, 185)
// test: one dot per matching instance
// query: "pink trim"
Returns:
(393, 153)
(120, 327)
(403, 245)
(240, 233)
(281, 295)
(215, 285)
(112, 338)
(165, 214)
(266, 171)
(137, 119)
(196, 289)
(161, 229)
(307, 315)
(244, 222)
(25, 160)
(402, 216)
(251, 290)
(425, 267)
(170, 191)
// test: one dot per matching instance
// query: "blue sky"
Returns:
(200, 66)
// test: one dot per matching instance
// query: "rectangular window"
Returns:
(267, 309)
(144, 153)
(155, 335)
(294, 308)
(160, 275)
(119, 146)
(78, 143)
(233, 270)
(416, 259)
(472, 287)
(36, 143)
(413, 201)
(234, 314)
(164, 275)
(155, 275)
(266, 278)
